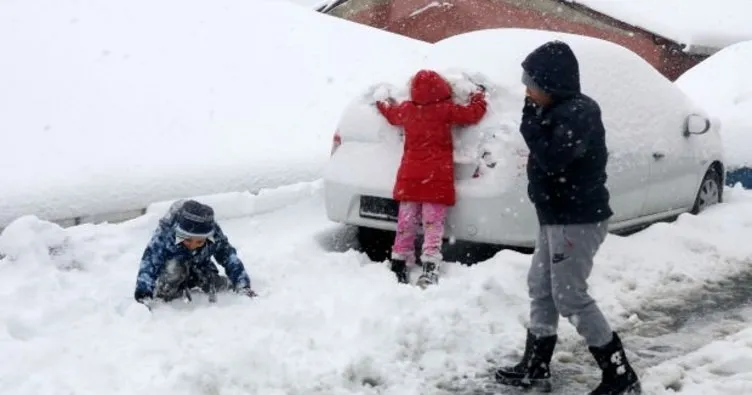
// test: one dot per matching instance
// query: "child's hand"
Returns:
(390, 101)
(248, 292)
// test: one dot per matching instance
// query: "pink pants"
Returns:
(410, 215)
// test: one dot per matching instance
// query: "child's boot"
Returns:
(430, 275)
(533, 370)
(398, 265)
(618, 377)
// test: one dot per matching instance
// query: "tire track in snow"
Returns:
(667, 329)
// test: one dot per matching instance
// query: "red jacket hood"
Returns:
(429, 87)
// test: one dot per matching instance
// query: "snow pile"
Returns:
(29, 239)
(244, 204)
(695, 24)
(723, 85)
(721, 367)
(108, 107)
(326, 322)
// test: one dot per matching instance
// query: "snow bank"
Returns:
(109, 107)
(723, 85)
(244, 204)
(695, 24)
(33, 240)
(686, 253)
(326, 323)
(721, 367)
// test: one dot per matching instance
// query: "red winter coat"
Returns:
(426, 173)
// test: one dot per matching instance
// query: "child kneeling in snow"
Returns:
(425, 180)
(178, 257)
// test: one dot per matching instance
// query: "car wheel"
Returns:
(710, 193)
(376, 243)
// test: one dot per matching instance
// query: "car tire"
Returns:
(710, 192)
(376, 243)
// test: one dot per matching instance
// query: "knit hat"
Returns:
(552, 68)
(527, 80)
(195, 220)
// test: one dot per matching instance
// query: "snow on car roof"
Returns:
(622, 82)
(704, 27)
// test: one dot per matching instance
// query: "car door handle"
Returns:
(658, 155)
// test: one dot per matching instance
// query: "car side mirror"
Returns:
(696, 124)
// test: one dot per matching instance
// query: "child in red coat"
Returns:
(425, 180)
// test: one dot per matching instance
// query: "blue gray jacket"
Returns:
(165, 246)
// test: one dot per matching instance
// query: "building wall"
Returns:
(434, 20)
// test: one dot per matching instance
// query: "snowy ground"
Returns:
(330, 322)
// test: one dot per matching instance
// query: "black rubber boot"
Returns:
(399, 267)
(533, 370)
(618, 377)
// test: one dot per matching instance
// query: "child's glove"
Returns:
(142, 295)
(247, 292)
(379, 92)
(530, 108)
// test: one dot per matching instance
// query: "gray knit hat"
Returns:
(195, 220)
(528, 81)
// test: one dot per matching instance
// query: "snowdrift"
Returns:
(109, 107)
(326, 322)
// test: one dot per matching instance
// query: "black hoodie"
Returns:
(566, 167)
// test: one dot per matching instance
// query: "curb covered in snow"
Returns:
(226, 205)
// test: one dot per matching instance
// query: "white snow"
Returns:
(106, 107)
(693, 23)
(721, 367)
(310, 4)
(326, 321)
(433, 4)
(723, 85)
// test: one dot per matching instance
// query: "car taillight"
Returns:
(336, 142)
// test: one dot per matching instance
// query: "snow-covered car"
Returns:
(665, 155)
(722, 84)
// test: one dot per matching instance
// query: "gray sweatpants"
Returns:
(557, 281)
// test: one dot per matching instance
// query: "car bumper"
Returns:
(508, 219)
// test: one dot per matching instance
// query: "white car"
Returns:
(665, 154)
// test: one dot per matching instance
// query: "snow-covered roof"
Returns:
(702, 26)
